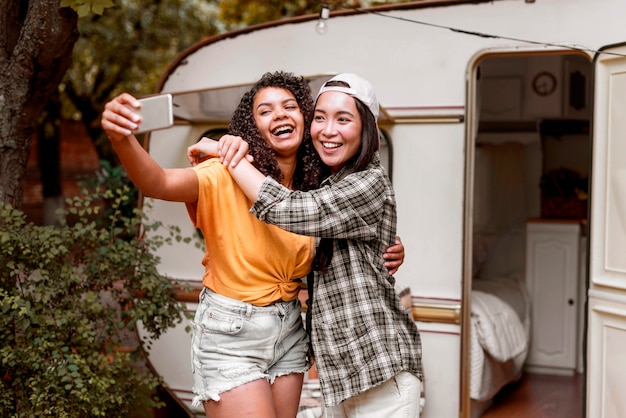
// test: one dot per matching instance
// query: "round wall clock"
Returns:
(544, 83)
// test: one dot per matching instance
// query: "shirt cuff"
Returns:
(270, 193)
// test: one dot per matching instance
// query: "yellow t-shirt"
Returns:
(245, 259)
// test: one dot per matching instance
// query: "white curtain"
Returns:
(500, 189)
(501, 200)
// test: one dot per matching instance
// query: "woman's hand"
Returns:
(119, 120)
(232, 149)
(201, 150)
(394, 256)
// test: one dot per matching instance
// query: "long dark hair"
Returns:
(309, 167)
(370, 138)
(370, 143)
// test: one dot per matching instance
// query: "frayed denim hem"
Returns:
(203, 397)
(215, 396)
(276, 375)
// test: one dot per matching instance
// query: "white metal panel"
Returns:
(408, 62)
(180, 260)
(607, 291)
(170, 356)
(428, 180)
(441, 346)
(608, 206)
(606, 360)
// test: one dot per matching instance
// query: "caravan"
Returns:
(504, 136)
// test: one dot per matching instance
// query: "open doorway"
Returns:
(531, 165)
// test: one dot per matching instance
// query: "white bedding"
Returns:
(499, 334)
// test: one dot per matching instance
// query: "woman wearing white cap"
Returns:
(367, 349)
(249, 347)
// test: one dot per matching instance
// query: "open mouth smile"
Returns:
(282, 130)
(330, 145)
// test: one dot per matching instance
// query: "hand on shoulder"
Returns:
(201, 150)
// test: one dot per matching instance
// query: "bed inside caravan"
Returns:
(500, 308)
(532, 150)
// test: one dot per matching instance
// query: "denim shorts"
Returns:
(235, 343)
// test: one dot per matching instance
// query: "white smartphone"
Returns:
(156, 113)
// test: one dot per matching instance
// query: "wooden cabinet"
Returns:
(553, 250)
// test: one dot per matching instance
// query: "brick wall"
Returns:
(78, 158)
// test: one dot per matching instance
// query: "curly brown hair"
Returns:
(310, 169)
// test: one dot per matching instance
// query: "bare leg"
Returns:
(253, 399)
(287, 390)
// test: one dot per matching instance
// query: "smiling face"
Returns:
(336, 129)
(279, 120)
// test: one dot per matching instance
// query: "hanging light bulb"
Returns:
(322, 24)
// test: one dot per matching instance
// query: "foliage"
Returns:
(127, 49)
(84, 7)
(70, 297)
(240, 13)
(234, 14)
(110, 177)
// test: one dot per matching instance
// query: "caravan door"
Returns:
(606, 332)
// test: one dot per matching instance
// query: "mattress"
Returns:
(499, 334)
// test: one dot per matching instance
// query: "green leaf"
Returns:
(84, 7)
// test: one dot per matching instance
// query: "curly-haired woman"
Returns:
(367, 348)
(249, 349)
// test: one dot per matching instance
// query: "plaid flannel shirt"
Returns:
(362, 336)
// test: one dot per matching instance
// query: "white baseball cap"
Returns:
(359, 88)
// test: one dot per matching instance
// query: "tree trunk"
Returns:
(36, 42)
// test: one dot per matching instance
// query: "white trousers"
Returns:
(398, 397)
